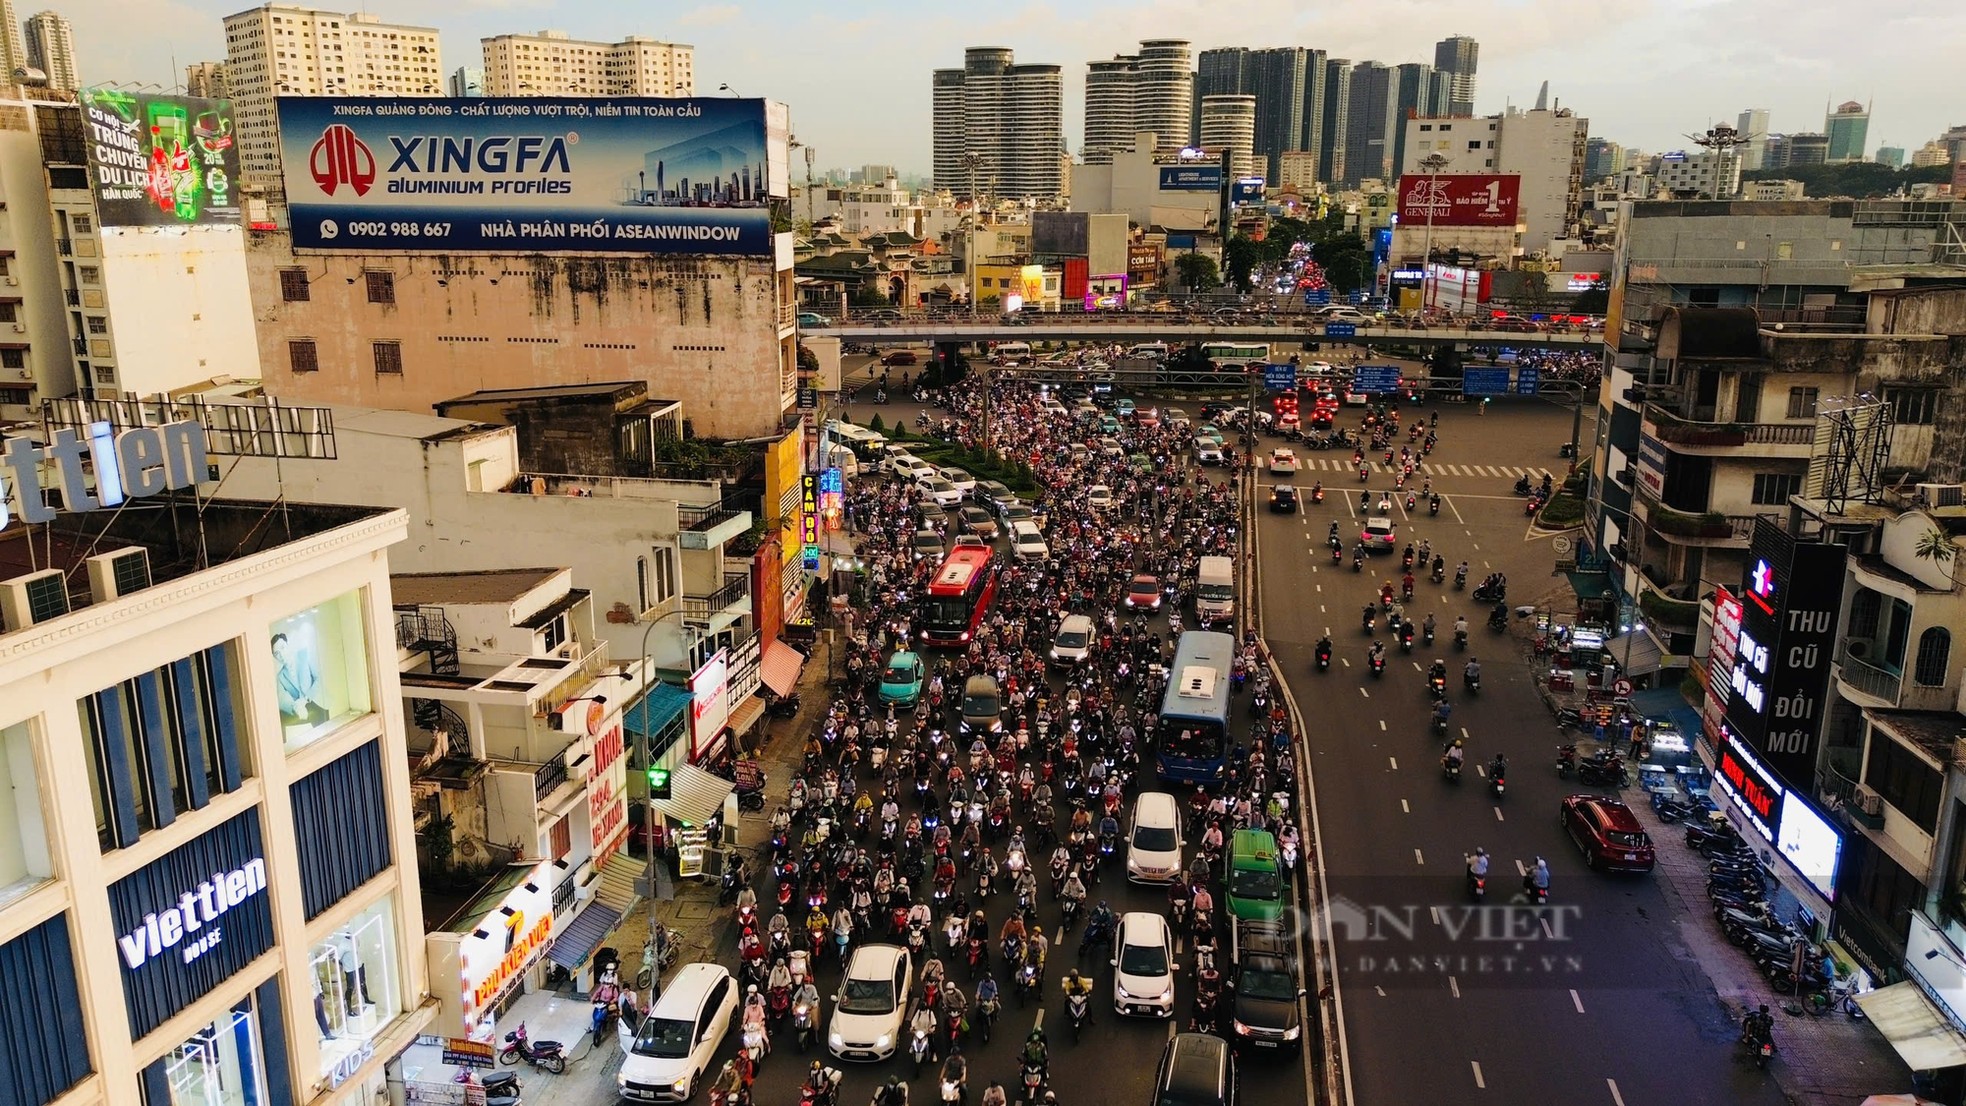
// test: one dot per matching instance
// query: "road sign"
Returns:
(808, 398)
(1484, 382)
(1372, 379)
(1622, 688)
(1280, 378)
(1339, 330)
(1317, 297)
(1528, 380)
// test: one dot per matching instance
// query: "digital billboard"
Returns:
(1247, 190)
(161, 161)
(1459, 200)
(1789, 609)
(681, 176)
(1191, 178)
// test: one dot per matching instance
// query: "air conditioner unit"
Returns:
(1868, 801)
(33, 599)
(1942, 495)
(118, 573)
(20, 328)
(13, 282)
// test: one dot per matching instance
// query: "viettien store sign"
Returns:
(138, 462)
(193, 920)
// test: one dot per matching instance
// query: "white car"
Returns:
(1143, 966)
(666, 1057)
(941, 491)
(914, 468)
(1099, 497)
(1344, 315)
(1153, 846)
(1208, 451)
(871, 1003)
(899, 463)
(964, 482)
(1283, 462)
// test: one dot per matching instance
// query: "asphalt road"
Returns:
(1593, 999)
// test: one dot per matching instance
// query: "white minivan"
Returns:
(1027, 541)
(1011, 353)
(1153, 844)
(666, 1057)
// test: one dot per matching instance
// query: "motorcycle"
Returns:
(986, 1016)
(1077, 1006)
(1337, 555)
(1378, 662)
(1437, 687)
(1605, 772)
(1460, 641)
(1451, 769)
(1406, 637)
(804, 1029)
(1032, 1080)
(1460, 579)
(1433, 506)
(1472, 683)
(1438, 574)
(551, 1055)
(1566, 759)
(1477, 885)
(1498, 620)
(1323, 658)
(918, 1049)
(1358, 561)
(1497, 785)
(1759, 1044)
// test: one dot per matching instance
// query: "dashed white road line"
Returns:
(1498, 814)
(1404, 808)
(1382, 725)
(1365, 693)
(1417, 858)
(1480, 1083)
(1577, 1000)
(1394, 761)
(1616, 1098)
(1521, 869)
(1454, 986)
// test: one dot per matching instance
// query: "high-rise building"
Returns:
(1891, 157)
(1930, 154)
(467, 82)
(1164, 90)
(1009, 118)
(1848, 130)
(1753, 125)
(1546, 148)
(1370, 123)
(1288, 83)
(1413, 87)
(1337, 112)
(51, 49)
(1603, 158)
(551, 63)
(13, 42)
(1229, 122)
(1456, 57)
(1108, 110)
(283, 50)
(207, 79)
(1807, 149)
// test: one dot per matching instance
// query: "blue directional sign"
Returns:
(1528, 380)
(1375, 379)
(1339, 330)
(1484, 382)
(1317, 298)
(1280, 378)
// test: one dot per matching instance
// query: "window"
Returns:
(9, 312)
(353, 974)
(1776, 487)
(1934, 648)
(553, 634)
(302, 357)
(220, 1065)
(294, 286)
(560, 838)
(81, 224)
(24, 860)
(1474, 144)
(388, 358)
(1802, 403)
(382, 286)
(321, 668)
(88, 274)
(98, 324)
(664, 578)
(162, 743)
(1903, 779)
(1912, 406)
(13, 358)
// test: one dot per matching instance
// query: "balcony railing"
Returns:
(737, 586)
(1878, 683)
(1711, 434)
(66, 246)
(788, 314)
(549, 776)
(73, 296)
(704, 516)
(563, 894)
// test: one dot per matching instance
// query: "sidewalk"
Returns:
(1830, 1060)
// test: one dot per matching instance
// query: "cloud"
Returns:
(710, 16)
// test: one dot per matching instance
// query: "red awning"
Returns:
(779, 670)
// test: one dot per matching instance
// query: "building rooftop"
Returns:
(437, 589)
(553, 391)
(1933, 731)
(406, 424)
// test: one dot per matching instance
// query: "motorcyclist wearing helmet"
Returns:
(1478, 864)
(1035, 1052)
(1455, 753)
(1077, 985)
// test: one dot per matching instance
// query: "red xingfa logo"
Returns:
(339, 158)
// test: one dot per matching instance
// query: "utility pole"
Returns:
(1433, 164)
(971, 162)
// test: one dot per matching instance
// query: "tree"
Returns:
(869, 294)
(1240, 257)
(1197, 272)
(1534, 289)
(1935, 545)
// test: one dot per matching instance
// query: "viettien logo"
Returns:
(194, 916)
(451, 164)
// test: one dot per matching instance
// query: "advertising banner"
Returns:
(1652, 462)
(682, 176)
(503, 947)
(1191, 178)
(1247, 190)
(160, 160)
(1030, 285)
(1783, 649)
(1459, 200)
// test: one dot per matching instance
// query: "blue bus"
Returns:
(1191, 737)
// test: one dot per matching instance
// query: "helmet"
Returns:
(1035, 1035)
(1075, 975)
(1479, 851)
(1457, 743)
(816, 1065)
(751, 990)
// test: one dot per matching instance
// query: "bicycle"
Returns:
(1841, 995)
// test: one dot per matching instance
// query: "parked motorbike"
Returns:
(550, 1055)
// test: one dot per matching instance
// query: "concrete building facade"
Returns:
(1545, 147)
(1371, 123)
(1288, 84)
(1229, 122)
(552, 63)
(206, 79)
(1753, 124)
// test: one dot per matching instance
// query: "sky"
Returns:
(856, 76)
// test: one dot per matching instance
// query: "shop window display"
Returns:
(321, 668)
(221, 1064)
(353, 973)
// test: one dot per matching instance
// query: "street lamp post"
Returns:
(649, 683)
(1433, 164)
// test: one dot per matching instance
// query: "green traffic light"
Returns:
(658, 783)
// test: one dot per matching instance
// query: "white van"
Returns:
(1027, 541)
(667, 1056)
(1215, 591)
(1156, 351)
(1153, 842)
(1011, 353)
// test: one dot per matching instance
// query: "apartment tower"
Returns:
(551, 63)
(1010, 118)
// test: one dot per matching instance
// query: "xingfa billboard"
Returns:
(526, 175)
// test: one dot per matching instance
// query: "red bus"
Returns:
(959, 596)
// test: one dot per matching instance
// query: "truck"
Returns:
(1215, 591)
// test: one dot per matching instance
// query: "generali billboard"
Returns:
(1459, 200)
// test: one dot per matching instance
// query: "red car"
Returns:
(1607, 832)
(1143, 594)
(899, 357)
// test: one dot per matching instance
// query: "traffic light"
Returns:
(658, 783)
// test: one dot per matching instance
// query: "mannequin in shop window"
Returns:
(298, 682)
(321, 1013)
(354, 977)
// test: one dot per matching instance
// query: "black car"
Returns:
(1264, 998)
(1283, 499)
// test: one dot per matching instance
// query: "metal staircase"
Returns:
(426, 630)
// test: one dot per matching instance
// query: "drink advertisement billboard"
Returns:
(161, 161)
(1459, 200)
(681, 176)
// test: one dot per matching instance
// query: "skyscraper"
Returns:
(1456, 57)
(1337, 113)
(1229, 121)
(13, 44)
(1009, 117)
(346, 55)
(1370, 123)
(1602, 158)
(551, 63)
(1413, 84)
(51, 49)
(1108, 110)
(206, 79)
(467, 82)
(1164, 90)
(1288, 84)
(1848, 128)
(1753, 125)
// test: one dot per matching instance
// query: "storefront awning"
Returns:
(660, 706)
(779, 670)
(745, 715)
(1590, 586)
(695, 796)
(588, 928)
(1644, 658)
(1915, 1027)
